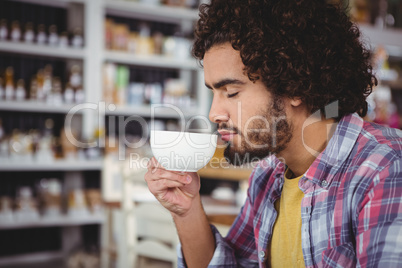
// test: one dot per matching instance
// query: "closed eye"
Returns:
(232, 95)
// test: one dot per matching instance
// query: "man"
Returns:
(290, 79)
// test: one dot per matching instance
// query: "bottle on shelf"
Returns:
(33, 89)
(182, 47)
(20, 92)
(40, 94)
(108, 33)
(120, 37)
(45, 144)
(27, 147)
(95, 153)
(177, 93)
(132, 43)
(123, 75)
(77, 204)
(6, 209)
(109, 73)
(26, 205)
(9, 89)
(136, 94)
(19, 144)
(79, 95)
(169, 46)
(69, 151)
(53, 36)
(48, 131)
(29, 35)
(157, 93)
(41, 36)
(35, 139)
(75, 78)
(47, 80)
(77, 41)
(63, 40)
(55, 97)
(15, 31)
(158, 42)
(50, 192)
(27, 141)
(75, 81)
(94, 200)
(68, 95)
(15, 145)
(383, 19)
(153, 93)
(145, 42)
(3, 30)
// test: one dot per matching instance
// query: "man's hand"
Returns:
(179, 193)
(176, 191)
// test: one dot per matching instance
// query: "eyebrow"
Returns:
(225, 82)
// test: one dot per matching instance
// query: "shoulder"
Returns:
(378, 147)
(381, 137)
(375, 159)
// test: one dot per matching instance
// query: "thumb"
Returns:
(192, 176)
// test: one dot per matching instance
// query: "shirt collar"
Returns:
(328, 162)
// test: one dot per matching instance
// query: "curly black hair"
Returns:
(306, 49)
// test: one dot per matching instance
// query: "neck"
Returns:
(310, 137)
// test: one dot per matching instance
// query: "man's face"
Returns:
(249, 118)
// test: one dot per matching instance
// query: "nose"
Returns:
(218, 113)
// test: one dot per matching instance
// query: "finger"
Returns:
(162, 185)
(180, 172)
(153, 163)
(158, 174)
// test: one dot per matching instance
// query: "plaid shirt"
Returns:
(351, 210)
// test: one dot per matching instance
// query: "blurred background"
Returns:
(71, 174)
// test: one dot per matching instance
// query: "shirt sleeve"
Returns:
(238, 248)
(379, 228)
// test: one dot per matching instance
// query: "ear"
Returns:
(296, 102)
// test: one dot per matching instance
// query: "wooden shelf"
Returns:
(63, 220)
(157, 61)
(29, 259)
(42, 50)
(32, 106)
(391, 39)
(146, 111)
(53, 3)
(145, 11)
(58, 165)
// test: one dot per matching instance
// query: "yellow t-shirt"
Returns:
(286, 246)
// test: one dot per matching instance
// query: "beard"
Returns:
(270, 134)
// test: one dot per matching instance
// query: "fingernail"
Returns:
(188, 178)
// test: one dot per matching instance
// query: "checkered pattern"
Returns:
(351, 210)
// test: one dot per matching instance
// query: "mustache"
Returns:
(225, 126)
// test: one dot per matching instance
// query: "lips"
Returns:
(227, 135)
